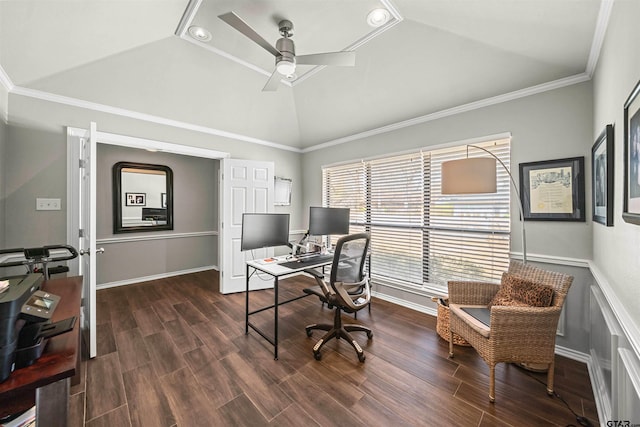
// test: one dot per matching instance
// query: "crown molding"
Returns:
(598, 35)
(533, 90)
(74, 102)
(5, 80)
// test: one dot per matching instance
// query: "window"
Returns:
(420, 238)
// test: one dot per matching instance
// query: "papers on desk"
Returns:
(27, 419)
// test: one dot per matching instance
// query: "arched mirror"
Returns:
(142, 197)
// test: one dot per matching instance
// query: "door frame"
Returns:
(73, 174)
(73, 171)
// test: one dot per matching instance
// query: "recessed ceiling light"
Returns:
(199, 33)
(378, 17)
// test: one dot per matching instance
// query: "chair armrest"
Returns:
(353, 301)
(315, 273)
(535, 326)
(324, 286)
(471, 293)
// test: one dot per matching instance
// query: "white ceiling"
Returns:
(436, 55)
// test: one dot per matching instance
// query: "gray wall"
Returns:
(616, 249)
(549, 125)
(195, 185)
(3, 143)
(35, 166)
(36, 145)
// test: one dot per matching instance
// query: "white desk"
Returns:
(276, 270)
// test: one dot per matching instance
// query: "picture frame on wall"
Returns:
(631, 200)
(135, 199)
(553, 190)
(602, 177)
(282, 191)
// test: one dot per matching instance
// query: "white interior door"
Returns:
(87, 243)
(246, 186)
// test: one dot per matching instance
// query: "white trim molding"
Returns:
(598, 35)
(143, 238)
(629, 328)
(5, 80)
(533, 90)
(155, 277)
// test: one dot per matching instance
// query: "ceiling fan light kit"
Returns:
(285, 51)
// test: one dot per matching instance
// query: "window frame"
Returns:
(497, 235)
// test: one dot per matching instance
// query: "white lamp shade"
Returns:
(469, 176)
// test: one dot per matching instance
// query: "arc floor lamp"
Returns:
(478, 175)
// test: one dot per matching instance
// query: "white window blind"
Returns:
(420, 237)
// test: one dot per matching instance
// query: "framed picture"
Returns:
(135, 199)
(602, 177)
(553, 190)
(631, 202)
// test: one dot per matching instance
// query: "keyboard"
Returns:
(307, 261)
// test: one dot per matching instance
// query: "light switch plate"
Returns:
(47, 204)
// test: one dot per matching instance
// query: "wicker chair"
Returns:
(515, 334)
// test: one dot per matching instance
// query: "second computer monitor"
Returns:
(327, 221)
(264, 230)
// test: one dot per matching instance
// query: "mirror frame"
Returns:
(117, 198)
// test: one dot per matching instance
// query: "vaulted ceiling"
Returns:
(433, 56)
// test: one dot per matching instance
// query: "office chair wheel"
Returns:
(369, 335)
(309, 332)
(317, 355)
(361, 357)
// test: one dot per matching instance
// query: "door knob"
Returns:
(88, 251)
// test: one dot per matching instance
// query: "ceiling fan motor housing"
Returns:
(288, 55)
(286, 47)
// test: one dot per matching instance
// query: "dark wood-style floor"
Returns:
(173, 352)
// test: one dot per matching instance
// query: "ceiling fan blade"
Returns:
(345, 59)
(236, 22)
(273, 82)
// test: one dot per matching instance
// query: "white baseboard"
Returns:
(417, 307)
(155, 277)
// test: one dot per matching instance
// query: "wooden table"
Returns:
(46, 383)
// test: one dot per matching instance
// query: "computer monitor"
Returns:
(264, 230)
(327, 221)
(154, 214)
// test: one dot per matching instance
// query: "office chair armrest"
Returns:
(326, 289)
(471, 293)
(353, 301)
(315, 273)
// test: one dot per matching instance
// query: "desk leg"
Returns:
(275, 322)
(246, 315)
(52, 404)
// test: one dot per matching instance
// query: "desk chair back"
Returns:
(348, 279)
(348, 290)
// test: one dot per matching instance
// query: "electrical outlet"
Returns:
(47, 204)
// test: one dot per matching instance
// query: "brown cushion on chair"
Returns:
(518, 291)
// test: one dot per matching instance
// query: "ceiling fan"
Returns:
(285, 51)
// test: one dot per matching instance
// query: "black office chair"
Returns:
(348, 290)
